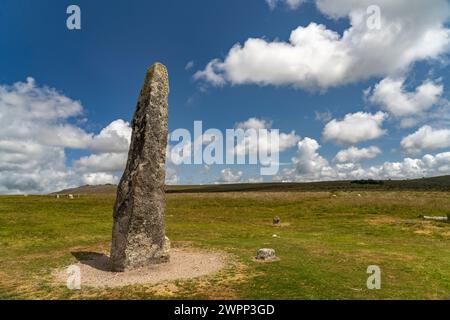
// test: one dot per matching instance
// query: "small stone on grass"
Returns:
(276, 221)
(266, 254)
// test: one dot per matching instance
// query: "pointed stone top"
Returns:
(158, 72)
(158, 67)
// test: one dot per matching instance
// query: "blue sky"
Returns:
(324, 78)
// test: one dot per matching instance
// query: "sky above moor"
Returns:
(350, 100)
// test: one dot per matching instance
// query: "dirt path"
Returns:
(184, 264)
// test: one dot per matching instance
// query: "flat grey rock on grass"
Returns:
(266, 254)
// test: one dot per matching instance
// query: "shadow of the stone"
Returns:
(95, 260)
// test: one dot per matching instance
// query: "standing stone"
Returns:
(138, 237)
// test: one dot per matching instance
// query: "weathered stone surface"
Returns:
(138, 237)
(436, 218)
(266, 254)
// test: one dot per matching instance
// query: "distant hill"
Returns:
(100, 189)
(425, 184)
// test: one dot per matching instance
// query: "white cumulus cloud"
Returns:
(317, 58)
(116, 137)
(391, 95)
(355, 155)
(99, 178)
(252, 144)
(230, 176)
(36, 129)
(426, 138)
(34, 132)
(104, 162)
(292, 4)
(308, 164)
(355, 128)
(254, 123)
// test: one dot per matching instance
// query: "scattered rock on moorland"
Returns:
(276, 221)
(436, 218)
(266, 254)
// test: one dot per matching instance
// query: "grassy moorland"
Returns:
(325, 244)
(426, 184)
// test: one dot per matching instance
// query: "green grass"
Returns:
(326, 244)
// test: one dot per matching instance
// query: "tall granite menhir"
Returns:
(138, 237)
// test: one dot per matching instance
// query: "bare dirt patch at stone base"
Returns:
(183, 264)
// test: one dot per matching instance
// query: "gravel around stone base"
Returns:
(183, 264)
